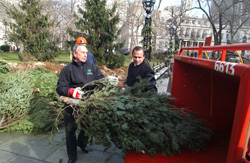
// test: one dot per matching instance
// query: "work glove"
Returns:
(75, 93)
(113, 80)
(123, 88)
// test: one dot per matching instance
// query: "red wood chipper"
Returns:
(219, 92)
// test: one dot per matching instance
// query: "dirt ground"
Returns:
(121, 72)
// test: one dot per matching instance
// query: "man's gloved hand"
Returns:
(75, 93)
(112, 80)
(123, 88)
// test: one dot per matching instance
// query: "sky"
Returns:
(165, 3)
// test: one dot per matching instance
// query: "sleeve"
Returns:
(63, 83)
(151, 80)
(149, 74)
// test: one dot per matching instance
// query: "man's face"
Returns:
(138, 57)
(81, 54)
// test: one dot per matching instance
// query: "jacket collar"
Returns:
(77, 63)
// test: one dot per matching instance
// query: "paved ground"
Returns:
(20, 148)
(162, 83)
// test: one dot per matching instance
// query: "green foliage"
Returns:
(140, 120)
(22, 126)
(4, 67)
(144, 33)
(24, 110)
(145, 29)
(45, 81)
(16, 93)
(115, 61)
(40, 119)
(100, 25)
(5, 48)
(30, 30)
(24, 56)
(171, 44)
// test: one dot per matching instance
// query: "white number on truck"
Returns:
(224, 67)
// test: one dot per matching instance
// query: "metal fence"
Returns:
(160, 69)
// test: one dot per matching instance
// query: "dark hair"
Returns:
(138, 48)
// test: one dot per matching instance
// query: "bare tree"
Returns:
(4, 6)
(132, 22)
(159, 5)
(222, 13)
(237, 16)
(175, 17)
(61, 13)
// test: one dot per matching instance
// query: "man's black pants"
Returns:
(70, 130)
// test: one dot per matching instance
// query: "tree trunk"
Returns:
(70, 54)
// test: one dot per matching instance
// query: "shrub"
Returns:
(4, 67)
(115, 61)
(5, 48)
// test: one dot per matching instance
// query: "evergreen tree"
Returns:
(100, 26)
(30, 30)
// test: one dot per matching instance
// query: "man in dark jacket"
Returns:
(140, 69)
(75, 75)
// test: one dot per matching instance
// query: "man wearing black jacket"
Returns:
(75, 75)
(139, 69)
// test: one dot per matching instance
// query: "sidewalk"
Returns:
(162, 83)
(20, 148)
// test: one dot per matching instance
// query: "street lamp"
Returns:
(228, 40)
(147, 5)
(171, 31)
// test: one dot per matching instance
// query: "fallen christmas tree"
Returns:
(139, 120)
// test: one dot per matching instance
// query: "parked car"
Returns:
(124, 52)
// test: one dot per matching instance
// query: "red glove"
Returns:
(75, 93)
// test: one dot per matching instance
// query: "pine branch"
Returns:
(140, 120)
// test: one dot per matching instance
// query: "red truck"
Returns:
(219, 92)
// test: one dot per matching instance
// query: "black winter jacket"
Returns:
(140, 71)
(77, 74)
